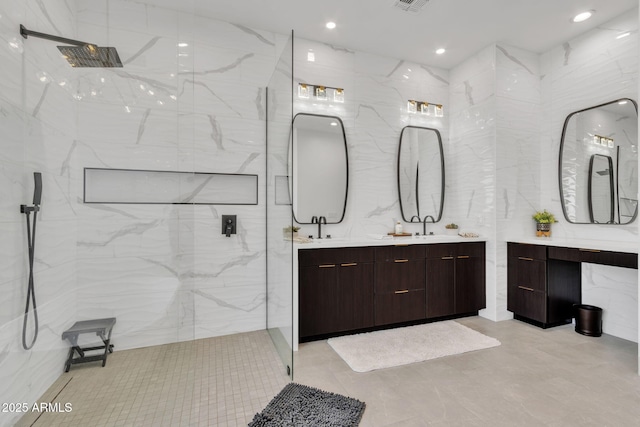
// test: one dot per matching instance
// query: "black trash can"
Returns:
(588, 319)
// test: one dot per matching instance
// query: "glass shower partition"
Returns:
(278, 208)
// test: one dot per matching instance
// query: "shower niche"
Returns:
(168, 187)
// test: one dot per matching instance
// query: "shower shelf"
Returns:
(134, 186)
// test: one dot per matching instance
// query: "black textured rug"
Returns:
(300, 405)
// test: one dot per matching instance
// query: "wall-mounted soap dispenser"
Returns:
(228, 225)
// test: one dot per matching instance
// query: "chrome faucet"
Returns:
(415, 216)
(424, 224)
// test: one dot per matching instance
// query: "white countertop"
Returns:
(604, 245)
(384, 241)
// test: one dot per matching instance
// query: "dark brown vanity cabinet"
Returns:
(455, 278)
(541, 288)
(335, 290)
(527, 281)
(349, 289)
(399, 284)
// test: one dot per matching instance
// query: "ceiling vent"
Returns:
(411, 5)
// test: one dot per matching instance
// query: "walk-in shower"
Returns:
(31, 241)
(80, 54)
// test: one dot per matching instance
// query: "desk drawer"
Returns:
(616, 259)
(527, 273)
(522, 250)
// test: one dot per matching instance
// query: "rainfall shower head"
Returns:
(91, 56)
(80, 54)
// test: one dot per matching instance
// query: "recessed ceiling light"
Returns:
(440, 51)
(183, 44)
(583, 16)
(330, 25)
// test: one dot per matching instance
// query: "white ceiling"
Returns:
(463, 27)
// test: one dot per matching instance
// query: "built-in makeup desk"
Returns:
(544, 275)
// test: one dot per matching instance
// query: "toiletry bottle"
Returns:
(398, 227)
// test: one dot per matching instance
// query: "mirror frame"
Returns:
(441, 168)
(564, 129)
(346, 159)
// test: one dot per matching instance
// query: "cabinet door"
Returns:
(318, 293)
(470, 284)
(354, 304)
(440, 286)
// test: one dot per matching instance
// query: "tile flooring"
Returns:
(219, 381)
(552, 377)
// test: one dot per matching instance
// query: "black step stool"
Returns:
(102, 328)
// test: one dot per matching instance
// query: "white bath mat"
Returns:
(401, 346)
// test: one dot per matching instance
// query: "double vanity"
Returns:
(360, 285)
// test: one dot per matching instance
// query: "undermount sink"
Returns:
(432, 237)
(326, 240)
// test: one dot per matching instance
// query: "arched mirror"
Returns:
(598, 165)
(319, 167)
(420, 174)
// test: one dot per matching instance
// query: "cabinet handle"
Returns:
(400, 260)
(589, 250)
(349, 264)
(404, 291)
(447, 257)
(326, 265)
(463, 256)
(522, 258)
(526, 289)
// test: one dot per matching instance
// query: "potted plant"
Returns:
(451, 228)
(290, 232)
(543, 221)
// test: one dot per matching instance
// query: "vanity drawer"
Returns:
(527, 303)
(336, 256)
(522, 250)
(400, 276)
(527, 273)
(455, 250)
(400, 307)
(400, 252)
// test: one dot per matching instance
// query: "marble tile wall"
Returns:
(190, 97)
(589, 70)
(37, 124)
(374, 113)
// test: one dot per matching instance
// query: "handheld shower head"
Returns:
(37, 189)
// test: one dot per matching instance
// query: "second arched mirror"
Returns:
(420, 174)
